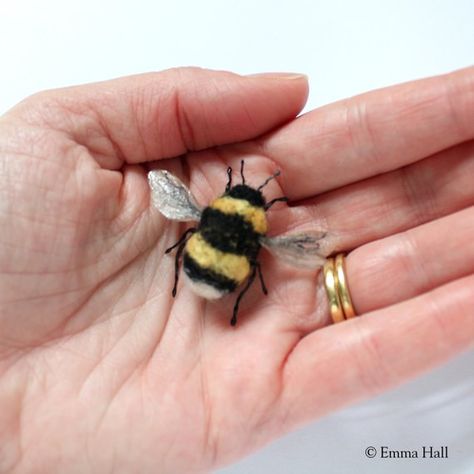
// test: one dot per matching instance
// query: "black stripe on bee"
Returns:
(197, 273)
(229, 233)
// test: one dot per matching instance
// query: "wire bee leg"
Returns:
(182, 239)
(250, 280)
(180, 244)
(273, 201)
(260, 276)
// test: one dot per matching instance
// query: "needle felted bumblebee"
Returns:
(221, 253)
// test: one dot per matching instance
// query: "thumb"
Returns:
(165, 114)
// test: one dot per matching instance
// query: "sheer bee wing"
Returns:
(307, 250)
(172, 198)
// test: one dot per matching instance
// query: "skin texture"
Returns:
(102, 371)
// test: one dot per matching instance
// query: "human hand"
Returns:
(100, 369)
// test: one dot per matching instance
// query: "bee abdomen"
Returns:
(205, 281)
(203, 263)
(219, 256)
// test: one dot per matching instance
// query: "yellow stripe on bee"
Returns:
(251, 214)
(235, 267)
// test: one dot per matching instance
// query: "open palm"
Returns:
(102, 370)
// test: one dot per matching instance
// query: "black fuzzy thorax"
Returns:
(252, 195)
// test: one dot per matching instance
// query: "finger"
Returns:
(390, 203)
(165, 114)
(346, 362)
(408, 264)
(373, 133)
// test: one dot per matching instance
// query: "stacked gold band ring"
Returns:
(337, 289)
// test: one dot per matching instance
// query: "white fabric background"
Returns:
(346, 47)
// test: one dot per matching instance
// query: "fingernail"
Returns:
(279, 75)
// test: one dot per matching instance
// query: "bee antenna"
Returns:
(242, 171)
(229, 179)
(273, 176)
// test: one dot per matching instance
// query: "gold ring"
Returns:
(343, 288)
(330, 283)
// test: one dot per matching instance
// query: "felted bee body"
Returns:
(219, 256)
(221, 253)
